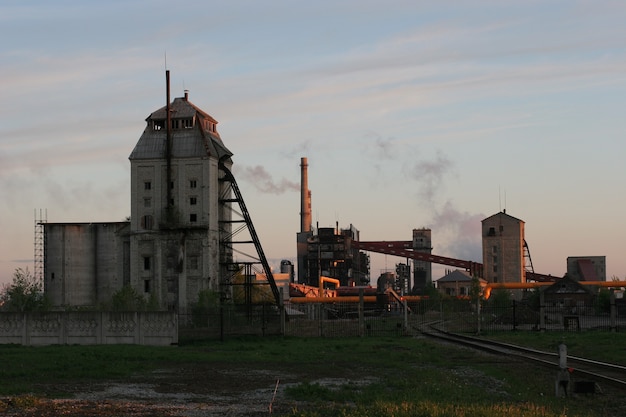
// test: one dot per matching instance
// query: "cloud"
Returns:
(263, 181)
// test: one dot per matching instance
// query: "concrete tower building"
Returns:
(178, 239)
(503, 249)
(177, 220)
(422, 270)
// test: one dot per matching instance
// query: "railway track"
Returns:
(596, 372)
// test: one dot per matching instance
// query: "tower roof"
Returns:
(193, 133)
(502, 214)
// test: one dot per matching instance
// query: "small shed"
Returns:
(568, 295)
(457, 283)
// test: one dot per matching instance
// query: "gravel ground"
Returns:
(188, 391)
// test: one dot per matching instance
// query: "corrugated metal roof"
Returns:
(186, 143)
(456, 276)
(181, 109)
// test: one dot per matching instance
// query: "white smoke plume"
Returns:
(264, 182)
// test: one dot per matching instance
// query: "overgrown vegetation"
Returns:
(128, 299)
(23, 294)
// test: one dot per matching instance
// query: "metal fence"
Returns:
(346, 319)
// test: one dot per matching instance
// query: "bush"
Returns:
(23, 294)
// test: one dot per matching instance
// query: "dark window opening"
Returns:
(147, 185)
(158, 124)
(147, 222)
(193, 262)
(146, 263)
(146, 285)
(193, 217)
(193, 201)
(193, 183)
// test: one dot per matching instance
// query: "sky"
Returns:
(412, 114)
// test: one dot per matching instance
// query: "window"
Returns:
(147, 222)
(147, 185)
(158, 124)
(462, 291)
(495, 279)
(193, 183)
(495, 259)
(147, 202)
(188, 123)
(492, 231)
(146, 263)
(495, 268)
(193, 217)
(146, 285)
(501, 228)
(171, 185)
(495, 249)
(193, 201)
(192, 262)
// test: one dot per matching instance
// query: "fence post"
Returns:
(613, 310)
(514, 318)
(361, 314)
(443, 321)
(478, 315)
(542, 312)
(321, 326)
(406, 316)
(283, 315)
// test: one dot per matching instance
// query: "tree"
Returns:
(23, 294)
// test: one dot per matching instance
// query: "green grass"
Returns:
(602, 346)
(373, 376)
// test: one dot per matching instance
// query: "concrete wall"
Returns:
(85, 263)
(89, 328)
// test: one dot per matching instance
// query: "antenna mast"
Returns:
(168, 147)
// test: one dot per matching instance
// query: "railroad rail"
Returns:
(583, 368)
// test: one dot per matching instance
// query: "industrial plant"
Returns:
(182, 237)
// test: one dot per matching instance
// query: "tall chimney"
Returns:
(305, 197)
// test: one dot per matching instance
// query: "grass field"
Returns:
(398, 376)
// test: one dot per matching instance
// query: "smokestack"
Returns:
(305, 197)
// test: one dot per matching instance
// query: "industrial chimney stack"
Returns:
(305, 195)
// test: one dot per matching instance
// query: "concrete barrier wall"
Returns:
(89, 328)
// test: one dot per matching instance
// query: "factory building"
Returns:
(586, 268)
(327, 251)
(173, 246)
(503, 249)
(330, 253)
